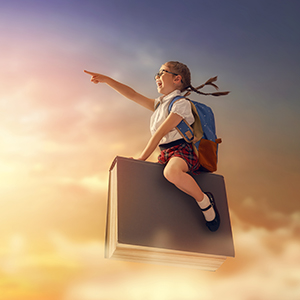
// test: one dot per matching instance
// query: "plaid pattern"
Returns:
(186, 152)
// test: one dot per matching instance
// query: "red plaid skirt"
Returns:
(186, 152)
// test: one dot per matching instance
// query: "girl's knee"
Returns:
(171, 174)
(174, 169)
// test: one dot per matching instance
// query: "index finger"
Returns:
(90, 73)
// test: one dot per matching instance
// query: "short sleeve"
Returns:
(182, 108)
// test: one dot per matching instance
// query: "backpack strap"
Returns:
(197, 125)
(184, 128)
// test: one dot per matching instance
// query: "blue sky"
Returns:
(59, 134)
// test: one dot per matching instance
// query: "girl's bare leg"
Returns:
(176, 172)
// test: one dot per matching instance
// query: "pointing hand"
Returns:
(96, 78)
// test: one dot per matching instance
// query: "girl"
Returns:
(178, 156)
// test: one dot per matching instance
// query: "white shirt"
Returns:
(181, 107)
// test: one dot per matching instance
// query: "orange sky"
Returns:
(59, 134)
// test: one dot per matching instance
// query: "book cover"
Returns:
(151, 220)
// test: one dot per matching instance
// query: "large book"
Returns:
(151, 220)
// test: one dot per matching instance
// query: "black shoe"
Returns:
(215, 223)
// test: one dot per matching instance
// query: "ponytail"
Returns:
(210, 81)
(183, 70)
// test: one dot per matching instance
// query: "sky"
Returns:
(59, 133)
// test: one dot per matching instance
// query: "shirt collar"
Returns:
(170, 96)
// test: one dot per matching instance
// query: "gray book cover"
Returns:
(152, 213)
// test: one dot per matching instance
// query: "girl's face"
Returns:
(167, 81)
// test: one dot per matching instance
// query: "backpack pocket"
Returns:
(207, 154)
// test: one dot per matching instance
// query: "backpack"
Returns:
(202, 133)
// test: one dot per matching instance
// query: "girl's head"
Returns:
(183, 71)
(173, 76)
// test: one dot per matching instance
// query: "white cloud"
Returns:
(259, 273)
(93, 183)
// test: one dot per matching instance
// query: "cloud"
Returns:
(266, 267)
(59, 134)
(95, 183)
(260, 213)
(258, 267)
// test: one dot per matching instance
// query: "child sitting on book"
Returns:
(177, 155)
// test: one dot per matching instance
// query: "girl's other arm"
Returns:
(171, 122)
(123, 89)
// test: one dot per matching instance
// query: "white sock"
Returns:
(210, 213)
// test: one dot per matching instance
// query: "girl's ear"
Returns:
(178, 79)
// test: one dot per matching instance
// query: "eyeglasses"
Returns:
(162, 71)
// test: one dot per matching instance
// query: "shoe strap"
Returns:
(206, 208)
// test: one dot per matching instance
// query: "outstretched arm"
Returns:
(171, 122)
(123, 89)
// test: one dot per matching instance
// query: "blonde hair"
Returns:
(183, 70)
